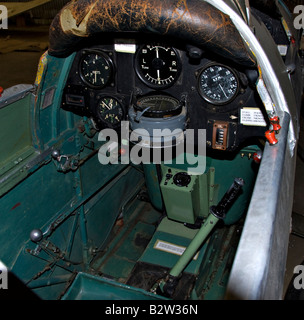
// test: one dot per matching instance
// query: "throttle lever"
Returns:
(220, 210)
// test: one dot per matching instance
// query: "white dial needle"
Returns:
(158, 72)
(223, 91)
(104, 104)
(95, 72)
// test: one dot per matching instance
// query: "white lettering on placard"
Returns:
(252, 117)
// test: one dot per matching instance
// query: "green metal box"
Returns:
(185, 196)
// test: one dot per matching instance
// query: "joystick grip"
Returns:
(227, 200)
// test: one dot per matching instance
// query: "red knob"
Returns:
(257, 156)
(275, 121)
(1, 91)
(276, 127)
(270, 135)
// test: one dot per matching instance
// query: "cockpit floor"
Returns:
(128, 240)
(136, 254)
(145, 276)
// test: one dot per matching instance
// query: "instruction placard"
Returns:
(252, 117)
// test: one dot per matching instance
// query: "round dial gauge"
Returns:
(96, 69)
(218, 84)
(158, 106)
(110, 111)
(157, 66)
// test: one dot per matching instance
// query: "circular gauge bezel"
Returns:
(140, 73)
(108, 62)
(158, 113)
(103, 120)
(213, 101)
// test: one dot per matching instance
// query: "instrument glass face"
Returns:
(158, 105)
(96, 69)
(158, 66)
(110, 111)
(218, 84)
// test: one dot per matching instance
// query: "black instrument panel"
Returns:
(104, 82)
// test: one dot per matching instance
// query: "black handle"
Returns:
(229, 197)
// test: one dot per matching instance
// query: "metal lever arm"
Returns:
(216, 213)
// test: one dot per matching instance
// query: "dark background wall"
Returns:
(44, 14)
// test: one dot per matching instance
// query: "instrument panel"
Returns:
(158, 79)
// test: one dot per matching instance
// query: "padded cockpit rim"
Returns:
(194, 21)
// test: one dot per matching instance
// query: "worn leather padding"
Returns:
(194, 21)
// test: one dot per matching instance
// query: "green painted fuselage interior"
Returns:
(109, 231)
